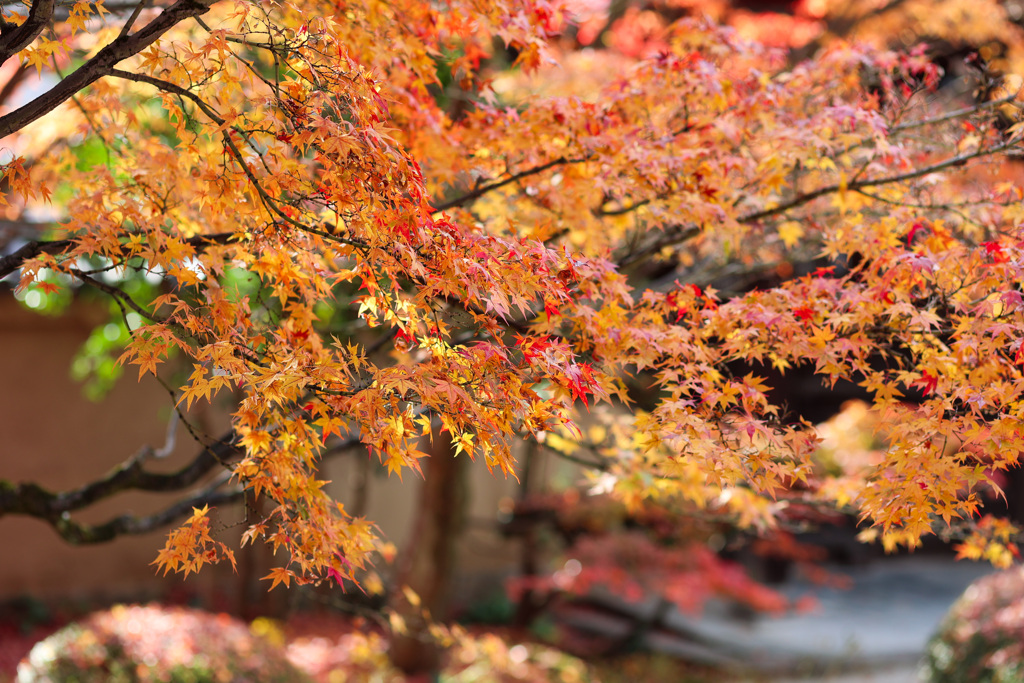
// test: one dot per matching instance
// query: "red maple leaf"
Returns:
(580, 378)
(550, 308)
(995, 250)
(914, 229)
(533, 348)
(803, 313)
(928, 382)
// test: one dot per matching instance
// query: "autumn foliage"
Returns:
(151, 643)
(362, 225)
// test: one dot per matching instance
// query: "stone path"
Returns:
(906, 674)
(883, 620)
(875, 631)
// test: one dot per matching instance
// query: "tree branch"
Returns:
(11, 262)
(16, 38)
(117, 50)
(677, 234)
(131, 19)
(78, 533)
(950, 162)
(13, 82)
(484, 189)
(34, 501)
(119, 295)
(956, 114)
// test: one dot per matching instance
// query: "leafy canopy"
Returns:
(359, 232)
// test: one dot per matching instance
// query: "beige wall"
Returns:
(50, 434)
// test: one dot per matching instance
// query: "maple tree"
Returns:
(363, 225)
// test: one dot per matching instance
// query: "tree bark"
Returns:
(427, 562)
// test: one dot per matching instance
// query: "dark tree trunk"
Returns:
(426, 564)
(530, 604)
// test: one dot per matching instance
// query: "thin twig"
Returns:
(131, 19)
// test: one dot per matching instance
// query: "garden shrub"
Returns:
(143, 644)
(981, 639)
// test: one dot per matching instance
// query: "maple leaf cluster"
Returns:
(355, 261)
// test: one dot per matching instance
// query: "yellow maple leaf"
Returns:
(790, 233)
